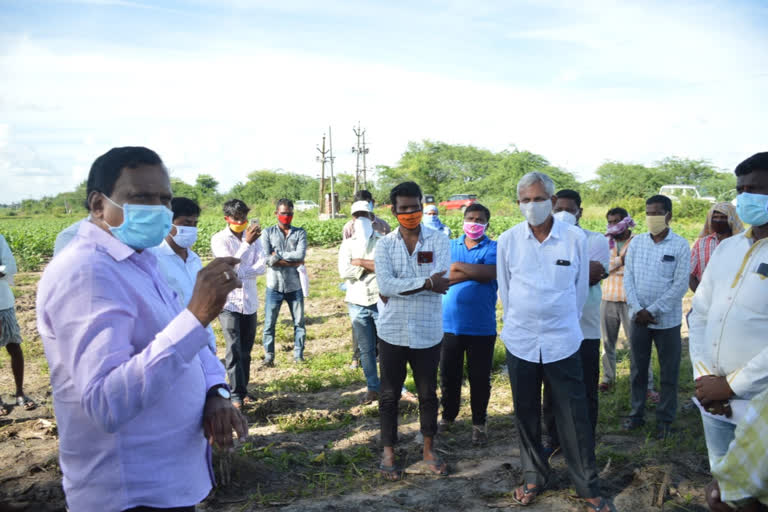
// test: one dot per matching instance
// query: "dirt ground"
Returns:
(312, 447)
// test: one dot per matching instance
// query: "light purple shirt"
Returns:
(129, 369)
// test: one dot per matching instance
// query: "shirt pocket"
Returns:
(564, 273)
(667, 268)
(753, 293)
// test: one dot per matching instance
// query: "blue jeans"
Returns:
(272, 303)
(719, 435)
(364, 330)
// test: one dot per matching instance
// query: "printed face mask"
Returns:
(143, 226)
(536, 212)
(474, 230)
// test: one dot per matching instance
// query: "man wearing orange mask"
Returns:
(411, 266)
(238, 319)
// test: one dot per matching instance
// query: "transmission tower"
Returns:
(360, 150)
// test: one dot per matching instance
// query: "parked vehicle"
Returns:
(459, 201)
(675, 192)
(303, 205)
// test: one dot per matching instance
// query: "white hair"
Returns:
(533, 178)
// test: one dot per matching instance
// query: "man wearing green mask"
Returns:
(655, 280)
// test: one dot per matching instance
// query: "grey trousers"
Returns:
(612, 316)
(668, 347)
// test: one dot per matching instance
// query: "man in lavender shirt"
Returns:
(138, 395)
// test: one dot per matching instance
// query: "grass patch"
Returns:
(323, 371)
(313, 421)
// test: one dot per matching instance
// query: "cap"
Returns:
(360, 206)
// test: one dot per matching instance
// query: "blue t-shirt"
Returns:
(469, 307)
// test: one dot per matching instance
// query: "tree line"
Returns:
(442, 170)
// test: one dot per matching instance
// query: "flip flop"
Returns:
(391, 473)
(27, 403)
(434, 466)
(526, 492)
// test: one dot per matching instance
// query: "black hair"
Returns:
(184, 207)
(567, 193)
(106, 169)
(405, 189)
(363, 195)
(233, 207)
(618, 210)
(477, 207)
(662, 200)
(757, 162)
(284, 202)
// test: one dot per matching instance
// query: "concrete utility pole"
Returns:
(322, 159)
(330, 159)
(360, 151)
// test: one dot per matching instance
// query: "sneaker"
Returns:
(653, 396)
(267, 363)
(444, 426)
(479, 435)
(632, 424)
(370, 397)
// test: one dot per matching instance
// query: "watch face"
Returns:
(224, 393)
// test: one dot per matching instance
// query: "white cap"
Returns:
(360, 206)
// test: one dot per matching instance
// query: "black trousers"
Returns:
(590, 364)
(153, 509)
(479, 350)
(570, 407)
(392, 369)
(239, 333)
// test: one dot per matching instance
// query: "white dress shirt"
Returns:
(599, 250)
(729, 320)
(362, 288)
(656, 278)
(66, 235)
(543, 287)
(414, 321)
(181, 276)
(253, 261)
(7, 259)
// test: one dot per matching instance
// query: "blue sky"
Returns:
(231, 86)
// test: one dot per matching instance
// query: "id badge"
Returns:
(424, 257)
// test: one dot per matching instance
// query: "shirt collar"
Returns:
(555, 232)
(424, 233)
(114, 247)
(483, 241)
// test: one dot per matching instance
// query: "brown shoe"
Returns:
(370, 397)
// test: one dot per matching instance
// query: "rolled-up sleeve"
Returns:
(389, 284)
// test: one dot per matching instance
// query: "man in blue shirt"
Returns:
(469, 322)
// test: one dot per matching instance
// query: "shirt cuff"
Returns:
(187, 335)
(740, 383)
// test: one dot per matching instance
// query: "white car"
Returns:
(303, 206)
(675, 192)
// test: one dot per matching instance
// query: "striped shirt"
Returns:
(613, 286)
(701, 252)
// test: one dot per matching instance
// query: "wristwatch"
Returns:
(219, 390)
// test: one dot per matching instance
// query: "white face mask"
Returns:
(185, 236)
(536, 212)
(363, 228)
(566, 217)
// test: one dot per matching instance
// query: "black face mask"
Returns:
(720, 226)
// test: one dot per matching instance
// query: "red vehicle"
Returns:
(459, 201)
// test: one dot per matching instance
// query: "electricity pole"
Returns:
(330, 159)
(322, 159)
(360, 150)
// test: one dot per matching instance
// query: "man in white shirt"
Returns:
(568, 209)
(543, 275)
(176, 261)
(411, 263)
(238, 319)
(655, 280)
(729, 319)
(357, 268)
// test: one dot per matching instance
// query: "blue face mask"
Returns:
(752, 208)
(143, 226)
(433, 221)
